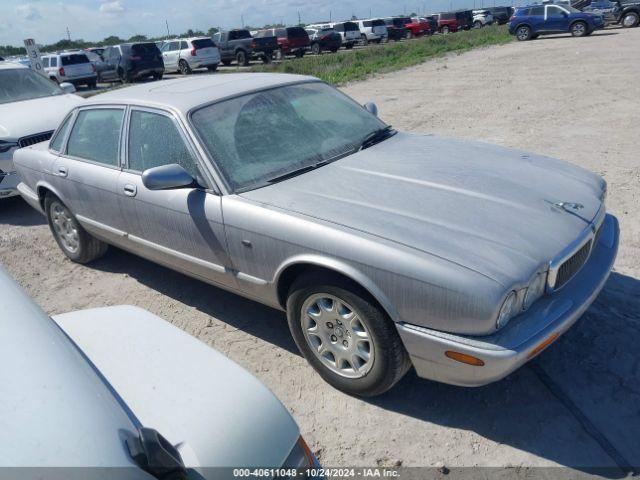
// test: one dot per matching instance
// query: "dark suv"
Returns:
(447, 22)
(134, 61)
(464, 19)
(396, 28)
(501, 15)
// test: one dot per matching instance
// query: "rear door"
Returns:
(180, 228)
(536, 19)
(76, 65)
(87, 171)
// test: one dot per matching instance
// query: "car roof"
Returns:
(187, 93)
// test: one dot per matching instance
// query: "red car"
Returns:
(447, 22)
(291, 40)
(415, 27)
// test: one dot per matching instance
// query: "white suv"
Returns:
(72, 67)
(374, 30)
(187, 54)
(482, 18)
(349, 31)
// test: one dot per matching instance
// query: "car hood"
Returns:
(29, 117)
(485, 207)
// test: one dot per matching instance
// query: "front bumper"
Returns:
(524, 337)
(9, 184)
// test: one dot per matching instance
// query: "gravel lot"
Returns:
(578, 405)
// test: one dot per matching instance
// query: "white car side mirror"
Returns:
(371, 108)
(68, 87)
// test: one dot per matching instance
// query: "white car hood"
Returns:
(39, 115)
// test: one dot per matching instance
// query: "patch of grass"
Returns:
(339, 69)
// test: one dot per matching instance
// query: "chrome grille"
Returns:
(569, 268)
(33, 139)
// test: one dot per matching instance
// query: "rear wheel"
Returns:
(315, 49)
(578, 29)
(345, 336)
(477, 24)
(523, 33)
(630, 20)
(184, 67)
(72, 239)
(213, 68)
(242, 58)
(365, 40)
(444, 29)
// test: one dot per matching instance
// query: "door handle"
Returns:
(62, 171)
(130, 190)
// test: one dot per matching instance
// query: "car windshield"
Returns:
(258, 137)
(571, 9)
(21, 84)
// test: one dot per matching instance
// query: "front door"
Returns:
(557, 19)
(180, 228)
(170, 54)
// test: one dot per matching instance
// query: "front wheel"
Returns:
(579, 29)
(315, 49)
(184, 67)
(345, 336)
(523, 33)
(73, 240)
(630, 20)
(242, 58)
(477, 24)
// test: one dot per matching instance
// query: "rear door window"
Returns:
(75, 59)
(58, 139)
(537, 11)
(144, 49)
(96, 135)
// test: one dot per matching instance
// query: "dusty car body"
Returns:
(463, 259)
(85, 392)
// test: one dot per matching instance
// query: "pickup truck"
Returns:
(626, 13)
(241, 46)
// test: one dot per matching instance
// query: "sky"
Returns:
(47, 20)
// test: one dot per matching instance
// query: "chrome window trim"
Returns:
(587, 235)
(72, 120)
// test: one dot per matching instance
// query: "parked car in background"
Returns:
(447, 22)
(349, 31)
(322, 40)
(31, 107)
(529, 22)
(283, 189)
(501, 15)
(240, 46)
(187, 54)
(610, 11)
(112, 401)
(291, 41)
(482, 18)
(104, 71)
(431, 20)
(416, 27)
(72, 67)
(373, 30)
(629, 13)
(464, 19)
(396, 29)
(134, 61)
(96, 50)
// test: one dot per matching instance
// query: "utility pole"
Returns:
(299, 20)
(329, 16)
(68, 34)
(167, 24)
(242, 20)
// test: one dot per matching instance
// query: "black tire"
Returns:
(124, 78)
(92, 85)
(184, 67)
(365, 40)
(315, 48)
(630, 20)
(523, 33)
(349, 46)
(267, 57)
(444, 30)
(334, 49)
(242, 58)
(278, 54)
(390, 359)
(477, 24)
(409, 35)
(226, 63)
(212, 68)
(54, 79)
(88, 249)
(579, 29)
(158, 76)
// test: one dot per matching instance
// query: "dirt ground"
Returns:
(578, 405)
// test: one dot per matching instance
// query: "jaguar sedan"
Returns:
(386, 249)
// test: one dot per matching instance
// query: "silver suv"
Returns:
(72, 67)
(186, 54)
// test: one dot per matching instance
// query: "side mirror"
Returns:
(68, 87)
(167, 177)
(371, 108)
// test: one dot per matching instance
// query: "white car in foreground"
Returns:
(31, 107)
(119, 393)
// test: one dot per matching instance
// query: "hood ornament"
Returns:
(569, 207)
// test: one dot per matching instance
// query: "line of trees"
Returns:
(65, 44)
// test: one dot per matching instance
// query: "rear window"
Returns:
(350, 27)
(377, 23)
(296, 32)
(203, 43)
(145, 49)
(239, 34)
(75, 59)
(536, 11)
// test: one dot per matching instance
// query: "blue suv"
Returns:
(529, 22)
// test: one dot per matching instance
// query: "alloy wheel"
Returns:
(65, 227)
(578, 29)
(523, 33)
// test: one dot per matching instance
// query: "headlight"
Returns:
(535, 290)
(508, 310)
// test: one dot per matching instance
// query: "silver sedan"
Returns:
(386, 249)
